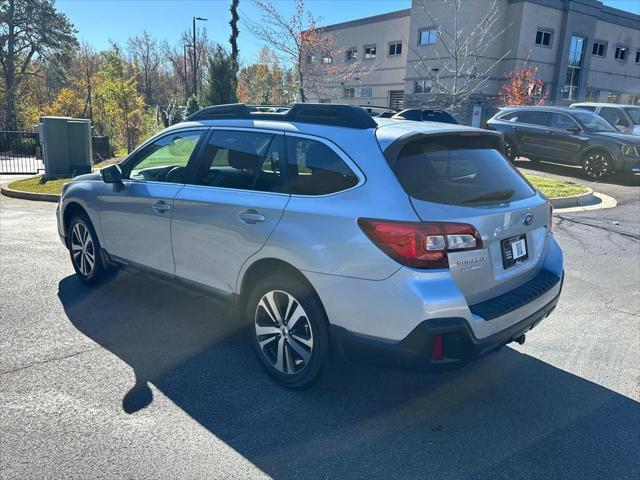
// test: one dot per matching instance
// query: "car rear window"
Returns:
(456, 170)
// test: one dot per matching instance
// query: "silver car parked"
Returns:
(412, 244)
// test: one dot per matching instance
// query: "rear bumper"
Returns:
(460, 345)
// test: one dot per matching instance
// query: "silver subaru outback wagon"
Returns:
(411, 244)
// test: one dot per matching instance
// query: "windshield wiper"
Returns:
(492, 196)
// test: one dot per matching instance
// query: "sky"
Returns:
(99, 21)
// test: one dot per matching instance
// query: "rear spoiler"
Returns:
(392, 151)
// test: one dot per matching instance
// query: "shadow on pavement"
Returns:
(623, 179)
(506, 416)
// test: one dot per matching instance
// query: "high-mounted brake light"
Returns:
(420, 244)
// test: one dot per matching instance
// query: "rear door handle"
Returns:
(549, 132)
(160, 206)
(251, 216)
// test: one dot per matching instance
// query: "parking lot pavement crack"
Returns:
(50, 360)
(605, 227)
(610, 307)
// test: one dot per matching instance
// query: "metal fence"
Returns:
(20, 152)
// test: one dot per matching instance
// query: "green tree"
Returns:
(233, 39)
(116, 96)
(192, 106)
(32, 35)
(174, 113)
(221, 78)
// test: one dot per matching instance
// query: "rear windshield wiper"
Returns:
(492, 196)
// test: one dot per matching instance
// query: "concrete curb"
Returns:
(573, 201)
(603, 202)
(40, 197)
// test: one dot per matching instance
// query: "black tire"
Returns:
(597, 164)
(278, 349)
(83, 249)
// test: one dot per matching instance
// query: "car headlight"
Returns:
(631, 150)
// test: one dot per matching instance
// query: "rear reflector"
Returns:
(437, 351)
(420, 244)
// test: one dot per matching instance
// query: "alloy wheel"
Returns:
(284, 332)
(82, 249)
(596, 165)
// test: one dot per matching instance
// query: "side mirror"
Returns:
(573, 130)
(111, 174)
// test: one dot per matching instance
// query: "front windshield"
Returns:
(593, 122)
(634, 113)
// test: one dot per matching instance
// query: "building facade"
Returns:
(583, 50)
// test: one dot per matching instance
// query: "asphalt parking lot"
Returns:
(142, 379)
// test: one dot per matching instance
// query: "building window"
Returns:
(370, 52)
(311, 58)
(351, 54)
(621, 53)
(592, 95)
(366, 92)
(538, 90)
(638, 56)
(634, 99)
(613, 97)
(327, 58)
(574, 67)
(348, 92)
(428, 36)
(599, 49)
(422, 86)
(544, 38)
(395, 48)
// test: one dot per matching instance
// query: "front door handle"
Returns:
(160, 206)
(251, 216)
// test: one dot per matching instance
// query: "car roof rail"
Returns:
(339, 115)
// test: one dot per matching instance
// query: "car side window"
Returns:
(534, 118)
(614, 116)
(166, 159)
(242, 160)
(562, 121)
(315, 169)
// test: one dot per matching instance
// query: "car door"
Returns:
(135, 216)
(230, 206)
(529, 132)
(563, 145)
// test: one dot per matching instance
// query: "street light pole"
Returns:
(186, 78)
(195, 60)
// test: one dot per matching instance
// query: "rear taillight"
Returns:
(420, 244)
(550, 226)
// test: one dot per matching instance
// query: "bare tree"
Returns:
(461, 66)
(301, 43)
(88, 63)
(144, 53)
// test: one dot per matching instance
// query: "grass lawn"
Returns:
(554, 188)
(38, 185)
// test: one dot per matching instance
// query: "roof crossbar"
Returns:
(350, 116)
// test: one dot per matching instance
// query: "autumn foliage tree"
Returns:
(292, 38)
(522, 87)
(265, 82)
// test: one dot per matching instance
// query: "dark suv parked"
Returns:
(569, 136)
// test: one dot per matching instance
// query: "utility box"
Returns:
(66, 146)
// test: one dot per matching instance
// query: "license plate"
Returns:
(514, 251)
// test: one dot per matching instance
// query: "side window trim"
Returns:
(201, 158)
(353, 166)
(135, 155)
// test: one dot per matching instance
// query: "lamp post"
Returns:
(195, 60)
